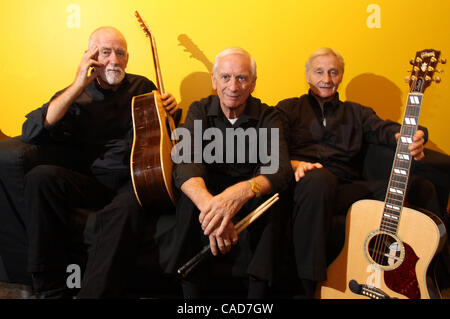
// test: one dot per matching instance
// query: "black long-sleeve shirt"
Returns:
(338, 143)
(208, 113)
(97, 126)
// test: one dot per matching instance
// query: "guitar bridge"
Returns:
(368, 291)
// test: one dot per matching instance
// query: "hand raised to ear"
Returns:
(88, 61)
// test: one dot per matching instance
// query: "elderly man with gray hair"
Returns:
(218, 191)
(325, 137)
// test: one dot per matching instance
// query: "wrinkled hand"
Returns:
(223, 242)
(417, 146)
(88, 61)
(302, 167)
(59, 106)
(169, 103)
(216, 215)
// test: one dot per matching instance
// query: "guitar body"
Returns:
(151, 164)
(399, 272)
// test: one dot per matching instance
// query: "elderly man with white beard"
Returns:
(91, 122)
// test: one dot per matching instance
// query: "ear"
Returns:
(213, 81)
(307, 77)
(253, 85)
(126, 63)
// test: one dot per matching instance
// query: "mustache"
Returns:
(114, 68)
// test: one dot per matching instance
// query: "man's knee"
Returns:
(126, 205)
(42, 176)
(318, 182)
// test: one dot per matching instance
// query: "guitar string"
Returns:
(398, 182)
(381, 239)
(408, 130)
(378, 254)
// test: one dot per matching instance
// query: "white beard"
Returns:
(112, 78)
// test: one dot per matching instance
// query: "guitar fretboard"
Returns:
(398, 181)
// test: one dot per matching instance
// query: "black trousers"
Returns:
(253, 255)
(320, 196)
(51, 193)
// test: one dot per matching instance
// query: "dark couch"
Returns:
(16, 158)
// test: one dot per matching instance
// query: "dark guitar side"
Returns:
(151, 165)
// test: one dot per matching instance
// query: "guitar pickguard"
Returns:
(403, 279)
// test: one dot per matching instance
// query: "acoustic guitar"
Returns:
(388, 248)
(151, 164)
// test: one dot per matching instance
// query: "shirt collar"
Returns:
(251, 110)
(334, 102)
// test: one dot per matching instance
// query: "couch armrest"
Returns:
(16, 158)
(436, 168)
(15, 153)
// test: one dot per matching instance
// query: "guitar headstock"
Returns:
(143, 25)
(424, 67)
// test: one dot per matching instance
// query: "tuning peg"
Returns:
(443, 60)
(418, 60)
(437, 79)
(411, 62)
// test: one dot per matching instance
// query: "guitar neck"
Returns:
(157, 67)
(398, 182)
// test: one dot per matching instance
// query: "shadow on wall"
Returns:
(3, 136)
(382, 95)
(196, 85)
(377, 92)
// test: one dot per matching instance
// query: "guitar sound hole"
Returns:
(385, 250)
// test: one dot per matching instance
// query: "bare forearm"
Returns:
(59, 106)
(195, 189)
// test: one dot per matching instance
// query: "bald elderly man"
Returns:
(91, 120)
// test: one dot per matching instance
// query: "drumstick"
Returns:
(239, 227)
(250, 218)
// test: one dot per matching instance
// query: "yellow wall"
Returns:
(43, 41)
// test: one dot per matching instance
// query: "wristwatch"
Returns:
(256, 188)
